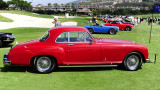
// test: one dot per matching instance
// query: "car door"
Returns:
(99, 29)
(62, 42)
(82, 49)
(120, 25)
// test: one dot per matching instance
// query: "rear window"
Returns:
(45, 36)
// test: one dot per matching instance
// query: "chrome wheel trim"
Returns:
(133, 62)
(43, 64)
(127, 28)
(112, 31)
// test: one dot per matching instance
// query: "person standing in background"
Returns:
(57, 22)
(149, 21)
(94, 19)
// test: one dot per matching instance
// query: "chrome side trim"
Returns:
(85, 63)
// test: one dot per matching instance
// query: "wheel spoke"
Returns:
(43, 64)
(132, 62)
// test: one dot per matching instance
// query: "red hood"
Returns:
(107, 40)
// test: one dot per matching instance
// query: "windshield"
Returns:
(45, 36)
(102, 24)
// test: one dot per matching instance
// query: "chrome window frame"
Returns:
(69, 37)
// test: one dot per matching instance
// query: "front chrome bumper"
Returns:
(148, 60)
(6, 62)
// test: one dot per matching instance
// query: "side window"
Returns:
(79, 36)
(76, 36)
(88, 38)
(63, 37)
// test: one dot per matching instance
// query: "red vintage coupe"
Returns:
(76, 46)
(127, 27)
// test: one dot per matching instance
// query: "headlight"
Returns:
(7, 35)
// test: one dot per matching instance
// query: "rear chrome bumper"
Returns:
(148, 60)
(6, 62)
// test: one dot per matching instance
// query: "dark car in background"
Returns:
(6, 38)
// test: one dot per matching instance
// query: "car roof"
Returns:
(66, 29)
(56, 31)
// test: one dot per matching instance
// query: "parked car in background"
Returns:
(76, 46)
(110, 21)
(127, 27)
(124, 22)
(102, 29)
(6, 38)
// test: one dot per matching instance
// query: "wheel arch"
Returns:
(50, 56)
(143, 58)
(91, 28)
(128, 26)
(112, 28)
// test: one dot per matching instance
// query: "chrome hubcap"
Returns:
(127, 29)
(132, 62)
(43, 64)
(111, 31)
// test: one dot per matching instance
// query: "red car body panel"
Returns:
(101, 51)
(105, 20)
(109, 21)
(121, 26)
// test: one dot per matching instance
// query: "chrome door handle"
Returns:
(70, 44)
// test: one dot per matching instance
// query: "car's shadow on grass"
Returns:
(59, 69)
(86, 68)
(17, 69)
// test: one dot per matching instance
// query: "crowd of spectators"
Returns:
(136, 20)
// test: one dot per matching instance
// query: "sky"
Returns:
(45, 2)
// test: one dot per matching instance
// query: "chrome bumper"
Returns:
(148, 60)
(5, 61)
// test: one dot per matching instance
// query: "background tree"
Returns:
(21, 4)
(3, 5)
(49, 4)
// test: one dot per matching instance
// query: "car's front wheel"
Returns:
(112, 31)
(44, 64)
(91, 30)
(133, 61)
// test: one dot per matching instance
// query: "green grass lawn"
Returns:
(80, 21)
(85, 78)
(4, 19)
(149, 15)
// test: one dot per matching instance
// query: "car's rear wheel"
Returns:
(128, 28)
(112, 31)
(1, 43)
(91, 30)
(133, 61)
(44, 64)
